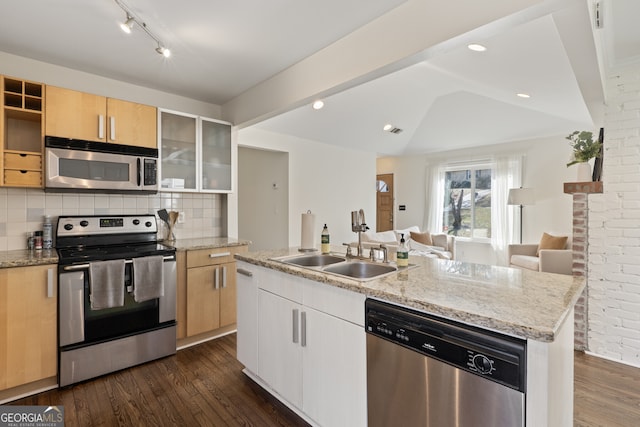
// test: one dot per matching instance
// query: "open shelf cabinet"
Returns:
(21, 132)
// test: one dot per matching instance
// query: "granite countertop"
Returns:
(205, 243)
(24, 258)
(521, 303)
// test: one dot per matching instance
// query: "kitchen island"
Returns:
(537, 307)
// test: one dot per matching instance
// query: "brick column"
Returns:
(580, 240)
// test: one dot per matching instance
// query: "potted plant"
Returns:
(584, 148)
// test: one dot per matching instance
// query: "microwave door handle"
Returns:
(139, 171)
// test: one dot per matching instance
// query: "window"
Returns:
(467, 202)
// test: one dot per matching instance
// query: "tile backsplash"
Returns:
(22, 211)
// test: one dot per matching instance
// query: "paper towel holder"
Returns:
(311, 247)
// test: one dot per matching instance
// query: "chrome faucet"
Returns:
(358, 225)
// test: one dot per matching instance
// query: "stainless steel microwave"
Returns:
(73, 165)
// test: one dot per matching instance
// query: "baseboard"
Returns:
(27, 390)
(600, 356)
(204, 337)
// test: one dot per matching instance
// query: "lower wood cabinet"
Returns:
(28, 338)
(206, 290)
(211, 295)
(309, 344)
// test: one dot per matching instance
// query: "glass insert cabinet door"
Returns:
(178, 151)
(216, 155)
(196, 153)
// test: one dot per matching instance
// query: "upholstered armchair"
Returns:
(537, 258)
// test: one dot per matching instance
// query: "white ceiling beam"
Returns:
(391, 42)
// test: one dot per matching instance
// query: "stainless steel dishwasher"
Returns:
(424, 370)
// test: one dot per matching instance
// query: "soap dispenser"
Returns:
(402, 255)
(325, 247)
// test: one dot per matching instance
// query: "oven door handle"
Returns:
(76, 267)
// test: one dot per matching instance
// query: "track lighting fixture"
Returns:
(163, 51)
(127, 26)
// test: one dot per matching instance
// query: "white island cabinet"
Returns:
(310, 345)
(308, 337)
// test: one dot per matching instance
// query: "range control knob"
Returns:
(148, 224)
(84, 223)
(482, 363)
(68, 227)
(136, 221)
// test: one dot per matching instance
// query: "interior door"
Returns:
(384, 202)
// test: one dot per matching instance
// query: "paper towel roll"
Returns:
(308, 242)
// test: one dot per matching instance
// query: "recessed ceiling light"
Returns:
(523, 95)
(318, 104)
(387, 127)
(476, 47)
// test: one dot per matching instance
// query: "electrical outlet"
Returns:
(181, 218)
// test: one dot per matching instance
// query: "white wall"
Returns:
(614, 236)
(327, 180)
(544, 170)
(263, 198)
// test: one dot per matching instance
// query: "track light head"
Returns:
(127, 25)
(163, 51)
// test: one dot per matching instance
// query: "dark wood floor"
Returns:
(204, 386)
(200, 386)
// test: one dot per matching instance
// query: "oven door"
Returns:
(80, 325)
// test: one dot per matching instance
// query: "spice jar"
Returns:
(37, 240)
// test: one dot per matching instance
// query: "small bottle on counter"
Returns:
(37, 240)
(402, 255)
(325, 247)
(30, 241)
(47, 233)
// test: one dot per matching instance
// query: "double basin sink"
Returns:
(340, 265)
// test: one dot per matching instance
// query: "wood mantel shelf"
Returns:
(591, 187)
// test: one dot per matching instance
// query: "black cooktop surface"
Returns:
(104, 253)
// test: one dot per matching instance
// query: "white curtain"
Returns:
(505, 225)
(434, 198)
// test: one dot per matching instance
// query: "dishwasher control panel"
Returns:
(495, 356)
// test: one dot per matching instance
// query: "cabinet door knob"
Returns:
(223, 273)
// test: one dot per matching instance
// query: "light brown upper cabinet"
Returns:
(21, 124)
(79, 115)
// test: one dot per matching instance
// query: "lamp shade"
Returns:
(521, 196)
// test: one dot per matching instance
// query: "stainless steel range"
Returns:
(116, 295)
